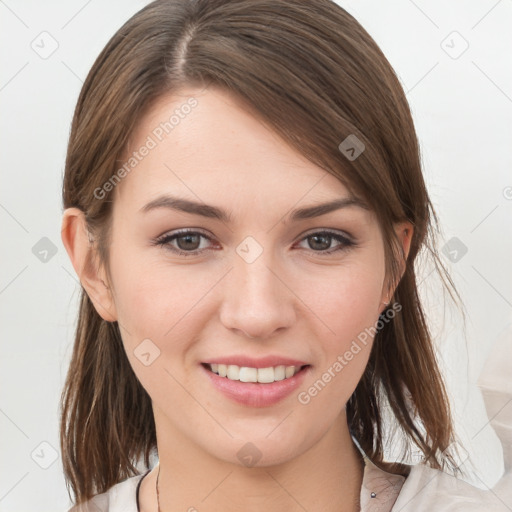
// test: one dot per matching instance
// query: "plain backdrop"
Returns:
(453, 59)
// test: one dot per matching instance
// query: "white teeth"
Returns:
(247, 374)
(289, 371)
(279, 372)
(233, 372)
(265, 375)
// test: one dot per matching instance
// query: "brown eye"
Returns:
(322, 242)
(184, 243)
(188, 242)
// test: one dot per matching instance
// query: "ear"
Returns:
(83, 255)
(404, 231)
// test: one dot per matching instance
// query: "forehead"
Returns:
(205, 143)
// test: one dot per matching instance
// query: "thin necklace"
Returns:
(373, 494)
(157, 495)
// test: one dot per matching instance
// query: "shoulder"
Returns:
(119, 498)
(427, 489)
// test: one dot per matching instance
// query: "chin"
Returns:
(259, 450)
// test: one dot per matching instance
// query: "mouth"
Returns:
(266, 375)
(261, 385)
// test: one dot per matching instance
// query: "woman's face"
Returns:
(264, 280)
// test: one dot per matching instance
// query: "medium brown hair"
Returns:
(309, 71)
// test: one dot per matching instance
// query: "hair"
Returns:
(312, 74)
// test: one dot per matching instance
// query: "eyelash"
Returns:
(165, 241)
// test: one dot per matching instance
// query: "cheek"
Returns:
(156, 300)
(348, 309)
(347, 301)
(156, 303)
(141, 294)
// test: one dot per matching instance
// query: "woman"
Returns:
(244, 206)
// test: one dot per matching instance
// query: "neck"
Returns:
(326, 478)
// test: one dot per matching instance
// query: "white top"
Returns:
(425, 489)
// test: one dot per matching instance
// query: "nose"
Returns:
(256, 300)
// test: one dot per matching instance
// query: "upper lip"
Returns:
(252, 362)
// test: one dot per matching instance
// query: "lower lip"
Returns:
(255, 394)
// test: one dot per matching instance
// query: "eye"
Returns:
(184, 242)
(321, 242)
(187, 242)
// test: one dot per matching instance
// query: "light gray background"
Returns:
(462, 105)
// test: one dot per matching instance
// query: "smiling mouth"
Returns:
(259, 375)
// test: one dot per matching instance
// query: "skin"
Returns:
(291, 301)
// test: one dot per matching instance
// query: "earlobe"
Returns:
(81, 251)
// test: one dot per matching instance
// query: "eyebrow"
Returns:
(213, 212)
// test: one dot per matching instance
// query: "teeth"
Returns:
(247, 374)
(280, 372)
(266, 375)
(233, 372)
(289, 372)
